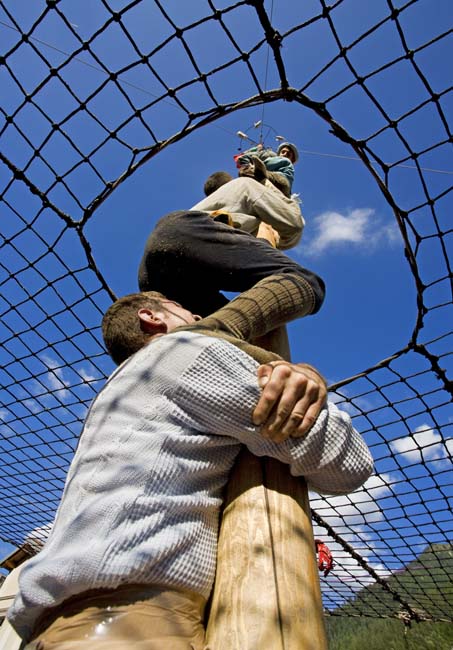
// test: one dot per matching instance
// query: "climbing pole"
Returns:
(267, 592)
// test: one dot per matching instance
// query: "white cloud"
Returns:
(356, 510)
(90, 375)
(391, 233)
(342, 403)
(423, 444)
(347, 576)
(353, 406)
(55, 379)
(33, 405)
(347, 573)
(38, 536)
(87, 376)
(358, 507)
(356, 227)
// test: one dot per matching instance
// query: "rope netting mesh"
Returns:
(74, 118)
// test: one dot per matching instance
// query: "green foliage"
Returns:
(426, 584)
(387, 634)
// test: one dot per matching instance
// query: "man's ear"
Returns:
(151, 322)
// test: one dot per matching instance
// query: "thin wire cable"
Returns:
(265, 79)
(218, 126)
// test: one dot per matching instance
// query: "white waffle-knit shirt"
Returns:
(143, 493)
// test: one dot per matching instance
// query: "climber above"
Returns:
(191, 257)
(279, 165)
(249, 202)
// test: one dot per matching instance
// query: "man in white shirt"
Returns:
(131, 557)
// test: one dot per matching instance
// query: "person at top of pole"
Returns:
(279, 164)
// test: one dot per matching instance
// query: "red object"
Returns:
(325, 557)
(236, 157)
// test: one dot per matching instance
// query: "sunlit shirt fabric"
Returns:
(142, 497)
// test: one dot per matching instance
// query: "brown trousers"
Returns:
(132, 617)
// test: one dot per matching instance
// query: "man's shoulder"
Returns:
(182, 340)
(217, 341)
(176, 349)
(197, 338)
(190, 341)
(162, 361)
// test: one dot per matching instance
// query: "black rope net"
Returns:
(59, 166)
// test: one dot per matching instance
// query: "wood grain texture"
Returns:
(267, 594)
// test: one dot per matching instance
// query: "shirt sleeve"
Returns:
(217, 394)
(270, 303)
(282, 165)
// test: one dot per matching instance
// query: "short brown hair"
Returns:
(216, 180)
(121, 329)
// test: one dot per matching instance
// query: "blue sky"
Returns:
(351, 237)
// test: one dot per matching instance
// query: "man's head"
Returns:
(132, 321)
(288, 150)
(216, 180)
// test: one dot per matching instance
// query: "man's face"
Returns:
(174, 315)
(286, 152)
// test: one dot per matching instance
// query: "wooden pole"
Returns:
(267, 593)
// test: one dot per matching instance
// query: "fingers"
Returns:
(297, 410)
(263, 373)
(247, 170)
(291, 400)
(272, 387)
(303, 424)
(313, 401)
(260, 171)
